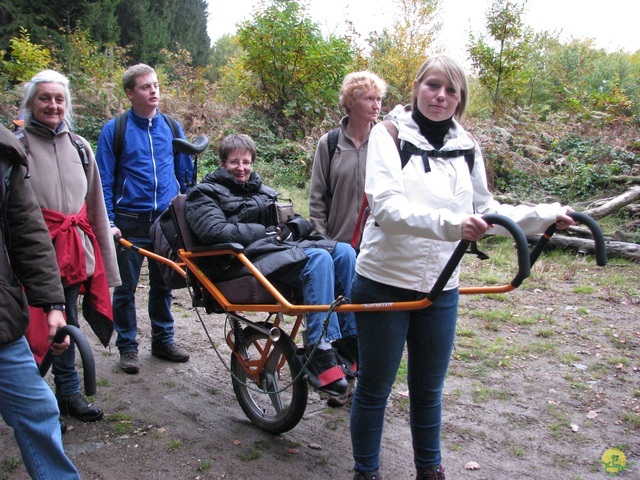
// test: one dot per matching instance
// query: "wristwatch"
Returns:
(54, 306)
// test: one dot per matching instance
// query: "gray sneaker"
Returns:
(129, 361)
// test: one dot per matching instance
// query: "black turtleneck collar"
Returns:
(434, 132)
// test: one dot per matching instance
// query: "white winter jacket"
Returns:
(416, 216)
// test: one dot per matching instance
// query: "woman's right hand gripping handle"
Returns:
(476, 229)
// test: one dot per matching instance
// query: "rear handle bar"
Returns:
(88, 363)
(590, 223)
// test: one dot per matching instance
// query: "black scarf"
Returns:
(434, 132)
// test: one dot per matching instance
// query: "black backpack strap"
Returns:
(79, 144)
(118, 135)
(332, 142)
(6, 167)
(332, 145)
(408, 150)
(173, 124)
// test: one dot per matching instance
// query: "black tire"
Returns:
(275, 412)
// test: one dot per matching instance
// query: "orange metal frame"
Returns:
(282, 305)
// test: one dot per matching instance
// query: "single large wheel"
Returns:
(263, 397)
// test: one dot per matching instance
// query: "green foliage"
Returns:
(223, 50)
(25, 59)
(572, 168)
(85, 56)
(290, 70)
(498, 58)
(397, 53)
(186, 82)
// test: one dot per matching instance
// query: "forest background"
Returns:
(557, 119)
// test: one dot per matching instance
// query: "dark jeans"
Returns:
(124, 302)
(429, 334)
(65, 376)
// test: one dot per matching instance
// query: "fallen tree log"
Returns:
(616, 203)
(630, 251)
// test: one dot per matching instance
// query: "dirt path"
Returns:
(543, 381)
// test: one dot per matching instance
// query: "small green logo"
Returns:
(614, 462)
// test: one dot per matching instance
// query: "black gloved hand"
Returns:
(284, 233)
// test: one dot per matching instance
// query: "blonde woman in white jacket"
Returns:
(418, 214)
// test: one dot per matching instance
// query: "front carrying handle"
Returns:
(522, 248)
(600, 246)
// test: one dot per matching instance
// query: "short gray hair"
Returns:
(47, 76)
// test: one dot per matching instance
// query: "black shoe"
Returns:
(63, 426)
(78, 407)
(170, 352)
(347, 355)
(129, 361)
(367, 476)
(324, 372)
(431, 473)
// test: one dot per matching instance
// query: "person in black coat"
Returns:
(232, 205)
(28, 265)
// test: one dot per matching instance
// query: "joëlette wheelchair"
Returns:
(268, 377)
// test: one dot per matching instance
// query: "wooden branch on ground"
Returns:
(630, 251)
(616, 203)
(623, 179)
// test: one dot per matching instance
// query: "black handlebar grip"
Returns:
(522, 247)
(600, 246)
(88, 363)
(524, 268)
(198, 146)
(598, 238)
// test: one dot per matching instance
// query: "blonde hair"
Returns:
(454, 72)
(358, 82)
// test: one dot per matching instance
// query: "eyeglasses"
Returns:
(237, 163)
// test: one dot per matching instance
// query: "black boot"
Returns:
(431, 473)
(77, 406)
(324, 372)
(367, 476)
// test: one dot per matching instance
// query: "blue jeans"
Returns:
(124, 301)
(28, 405)
(63, 367)
(429, 334)
(324, 277)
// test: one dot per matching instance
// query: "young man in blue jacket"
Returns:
(140, 176)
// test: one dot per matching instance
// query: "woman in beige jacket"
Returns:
(67, 184)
